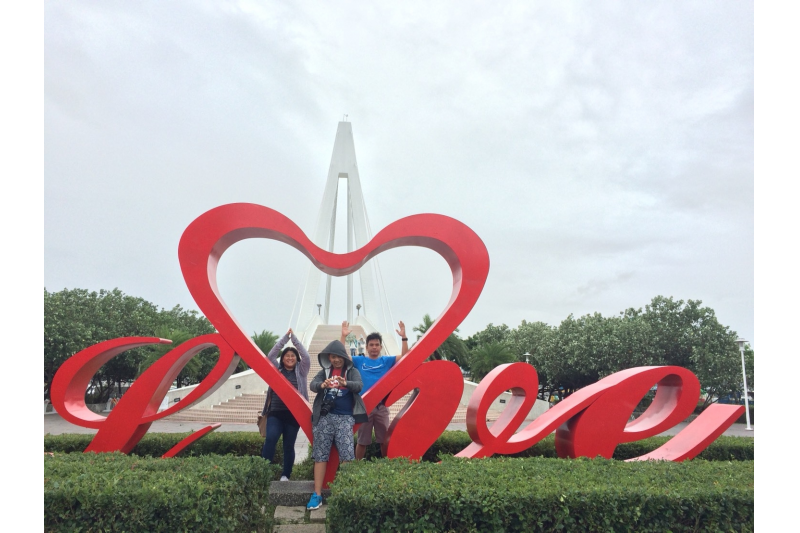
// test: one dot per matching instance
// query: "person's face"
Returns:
(289, 360)
(337, 361)
(374, 348)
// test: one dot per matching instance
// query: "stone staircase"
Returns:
(244, 408)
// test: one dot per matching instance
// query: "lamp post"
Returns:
(740, 341)
(319, 309)
(527, 356)
(358, 309)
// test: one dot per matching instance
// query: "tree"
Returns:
(490, 335)
(668, 332)
(265, 341)
(533, 338)
(452, 349)
(192, 372)
(486, 357)
(76, 319)
(689, 335)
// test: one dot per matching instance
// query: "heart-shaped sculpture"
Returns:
(208, 236)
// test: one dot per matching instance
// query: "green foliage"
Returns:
(238, 443)
(245, 443)
(528, 338)
(452, 442)
(194, 370)
(486, 357)
(540, 494)
(452, 349)
(76, 319)
(490, 335)
(265, 341)
(116, 492)
(580, 351)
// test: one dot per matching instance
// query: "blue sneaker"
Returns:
(314, 502)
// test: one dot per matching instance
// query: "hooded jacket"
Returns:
(351, 374)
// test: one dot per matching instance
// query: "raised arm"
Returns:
(305, 359)
(276, 350)
(402, 332)
(345, 332)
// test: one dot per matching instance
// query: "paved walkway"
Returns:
(55, 425)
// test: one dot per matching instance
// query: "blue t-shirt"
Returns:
(343, 404)
(373, 369)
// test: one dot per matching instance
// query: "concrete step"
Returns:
(290, 499)
(299, 528)
(293, 493)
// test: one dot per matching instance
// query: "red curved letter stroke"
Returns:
(138, 408)
(436, 389)
(593, 420)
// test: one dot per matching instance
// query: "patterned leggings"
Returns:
(332, 429)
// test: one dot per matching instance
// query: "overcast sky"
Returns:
(603, 151)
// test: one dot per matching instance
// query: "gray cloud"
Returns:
(603, 152)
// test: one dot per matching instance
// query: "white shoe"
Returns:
(284, 478)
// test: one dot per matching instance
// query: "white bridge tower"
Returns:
(374, 314)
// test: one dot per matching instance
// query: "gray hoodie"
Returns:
(351, 374)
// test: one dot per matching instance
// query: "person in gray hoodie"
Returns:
(337, 408)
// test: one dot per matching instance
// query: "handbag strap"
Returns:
(267, 402)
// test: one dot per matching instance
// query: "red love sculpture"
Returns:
(590, 422)
(207, 238)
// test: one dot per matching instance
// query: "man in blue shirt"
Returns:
(373, 367)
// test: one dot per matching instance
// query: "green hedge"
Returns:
(723, 449)
(117, 492)
(239, 443)
(541, 494)
(449, 443)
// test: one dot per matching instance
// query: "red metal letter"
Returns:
(138, 408)
(593, 420)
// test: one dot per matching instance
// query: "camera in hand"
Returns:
(328, 401)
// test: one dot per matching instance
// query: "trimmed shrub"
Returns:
(117, 492)
(237, 443)
(540, 494)
(67, 443)
(449, 443)
(723, 449)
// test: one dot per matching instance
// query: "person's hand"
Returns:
(402, 330)
(334, 382)
(346, 328)
(290, 332)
